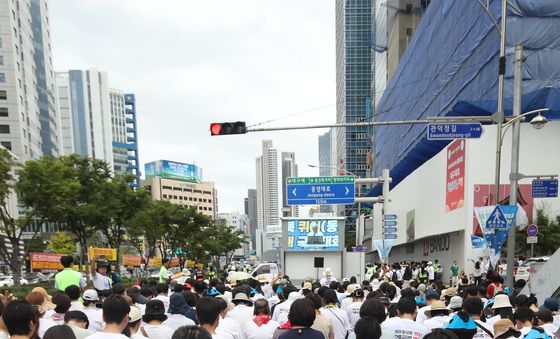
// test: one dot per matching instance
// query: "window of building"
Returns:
(4, 129)
(165, 196)
(1, 59)
(2, 77)
(3, 95)
(3, 111)
(167, 187)
(175, 197)
(409, 32)
(6, 144)
(190, 198)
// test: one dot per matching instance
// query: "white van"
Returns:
(265, 272)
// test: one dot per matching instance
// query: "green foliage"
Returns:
(61, 243)
(549, 236)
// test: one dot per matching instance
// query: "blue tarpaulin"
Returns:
(451, 68)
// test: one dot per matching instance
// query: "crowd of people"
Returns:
(391, 304)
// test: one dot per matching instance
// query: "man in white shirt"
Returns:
(353, 309)
(431, 272)
(154, 318)
(438, 315)
(431, 296)
(229, 326)
(162, 290)
(243, 310)
(208, 314)
(261, 327)
(134, 322)
(545, 319)
(99, 276)
(327, 277)
(78, 322)
(404, 326)
(115, 316)
(177, 310)
(74, 293)
(524, 318)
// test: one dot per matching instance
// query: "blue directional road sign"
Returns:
(447, 131)
(545, 188)
(497, 219)
(390, 236)
(320, 190)
(390, 217)
(390, 230)
(390, 223)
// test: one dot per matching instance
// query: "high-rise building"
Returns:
(267, 195)
(289, 169)
(327, 160)
(98, 121)
(180, 184)
(267, 186)
(353, 85)
(251, 212)
(28, 116)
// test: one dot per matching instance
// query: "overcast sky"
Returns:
(195, 62)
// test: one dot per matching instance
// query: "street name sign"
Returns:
(390, 230)
(337, 190)
(544, 188)
(390, 236)
(390, 223)
(449, 131)
(532, 230)
(389, 217)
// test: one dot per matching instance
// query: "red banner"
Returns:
(132, 260)
(455, 183)
(46, 261)
(174, 262)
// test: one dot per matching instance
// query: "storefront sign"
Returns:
(437, 244)
(455, 183)
(132, 260)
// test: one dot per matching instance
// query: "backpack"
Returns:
(395, 277)
(537, 333)
(407, 273)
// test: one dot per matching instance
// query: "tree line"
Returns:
(84, 198)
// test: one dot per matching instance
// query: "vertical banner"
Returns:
(383, 248)
(410, 227)
(455, 183)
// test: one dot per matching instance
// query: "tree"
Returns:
(68, 191)
(61, 243)
(223, 240)
(120, 205)
(11, 226)
(147, 228)
(548, 238)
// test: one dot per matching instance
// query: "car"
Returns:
(8, 281)
(530, 267)
(35, 277)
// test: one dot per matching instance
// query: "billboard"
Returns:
(455, 183)
(313, 234)
(173, 170)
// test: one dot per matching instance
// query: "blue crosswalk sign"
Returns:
(497, 219)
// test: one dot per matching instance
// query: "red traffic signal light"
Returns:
(227, 128)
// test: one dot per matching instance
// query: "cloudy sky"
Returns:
(195, 62)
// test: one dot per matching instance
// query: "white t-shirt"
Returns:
(102, 335)
(430, 270)
(101, 282)
(242, 314)
(421, 315)
(345, 302)
(158, 331)
(404, 328)
(76, 306)
(326, 281)
(44, 325)
(230, 327)
(339, 321)
(221, 335)
(265, 331)
(480, 333)
(437, 322)
(353, 311)
(550, 329)
(174, 321)
(95, 317)
(138, 335)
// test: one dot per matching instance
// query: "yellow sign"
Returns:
(154, 262)
(102, 253)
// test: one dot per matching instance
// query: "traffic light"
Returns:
(226, 128)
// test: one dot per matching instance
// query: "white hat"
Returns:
(351, 288)
(91, 295)
(186, 271)
(135, 314)
(327, 272)
(429, 262)
(375, 284)
(455, 302)
(501, 301)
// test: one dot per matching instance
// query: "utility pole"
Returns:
(385, 193)
(500, 113)
(514, 176)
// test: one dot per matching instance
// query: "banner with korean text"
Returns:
(455, 182)
(46, 261)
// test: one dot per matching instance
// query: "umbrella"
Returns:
(238, 276)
